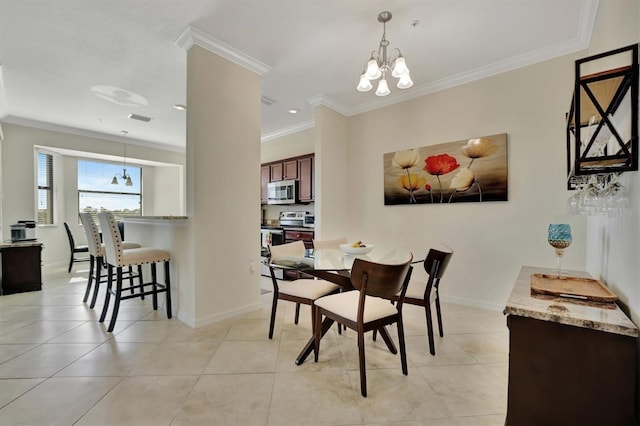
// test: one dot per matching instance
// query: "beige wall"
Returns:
(299, 143)
(19, 195)
(491, 240)
(613, 247)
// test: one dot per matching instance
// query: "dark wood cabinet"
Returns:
(284, 170)
(305, 176)
(265, 176)
(570, 362)
(292, 235)
(20, 268)
(297, 168)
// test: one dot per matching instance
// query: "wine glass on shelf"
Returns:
(559, 238)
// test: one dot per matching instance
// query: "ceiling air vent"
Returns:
(267, 101)
(139, 118)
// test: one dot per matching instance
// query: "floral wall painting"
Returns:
(471, 170)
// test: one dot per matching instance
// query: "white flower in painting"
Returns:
(406, 159)
(478, 148)
(462, 180)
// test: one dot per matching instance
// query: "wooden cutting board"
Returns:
(571, 287)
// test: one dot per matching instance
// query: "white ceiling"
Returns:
(61, 60)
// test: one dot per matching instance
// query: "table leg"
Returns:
(308, 348)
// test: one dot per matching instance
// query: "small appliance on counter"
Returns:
(309, 220)
(24, 230)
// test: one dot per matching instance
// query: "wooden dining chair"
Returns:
(425, 293)
(75, 249)
(117, 258)
(96, 259)
(302, 291)
(369, 307)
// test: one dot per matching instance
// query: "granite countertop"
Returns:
(9, 243)
(566, 311)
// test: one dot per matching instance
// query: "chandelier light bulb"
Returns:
(383, 88)
(405, 81)
(373, 72)
(400, 67)
(365, 84)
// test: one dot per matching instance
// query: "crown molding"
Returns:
(192, 35)
(587, 17)
(27, 122)
(288, 130)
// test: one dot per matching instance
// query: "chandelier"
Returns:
(124, 176)
(380, 64)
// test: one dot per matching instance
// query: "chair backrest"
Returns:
(294, 249)
(381, 280)
(93, 235)
(436, 263)
(111, 238)
(329, 244)
(72, 243)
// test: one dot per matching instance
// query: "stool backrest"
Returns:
(111, 238)
(93, 235)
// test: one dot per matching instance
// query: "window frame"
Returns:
(119, 215)
(49, 187)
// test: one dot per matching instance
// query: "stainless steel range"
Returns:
(294, 218)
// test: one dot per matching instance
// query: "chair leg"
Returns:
(92, 260)
(154, 284)
(70, 262)
(274, 306)
(295, 320)
(363, 373)
(167, 283)
(98, 279)
(432, 345)
(439, 315)
(403, 350)
(317, 331)
(107, 297)
(116, 302)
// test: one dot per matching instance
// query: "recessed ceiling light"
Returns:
(139, 117)
(124, 132)
(294, 111)
(180, 107)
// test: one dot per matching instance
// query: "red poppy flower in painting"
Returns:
(440, 164)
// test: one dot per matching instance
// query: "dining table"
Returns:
(334, 265)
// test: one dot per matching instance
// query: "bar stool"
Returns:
(96, 258)
(118, 258)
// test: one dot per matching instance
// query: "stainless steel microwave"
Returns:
(283, 192)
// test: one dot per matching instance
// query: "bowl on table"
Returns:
(350, 249)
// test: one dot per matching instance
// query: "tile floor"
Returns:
(59, 366)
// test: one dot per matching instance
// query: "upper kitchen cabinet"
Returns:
(305, 175)
(265, 176)
(297, 168)
(284, 170)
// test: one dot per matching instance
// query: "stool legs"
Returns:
(167, 283)
(98, 278)
(92, 260)
(117, 292)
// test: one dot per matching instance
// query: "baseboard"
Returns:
(220, 316)
(474, 303)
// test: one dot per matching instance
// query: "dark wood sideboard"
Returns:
(20, 267)
(569, 363)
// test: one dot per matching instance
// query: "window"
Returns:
(45, 188)
(96, 193)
